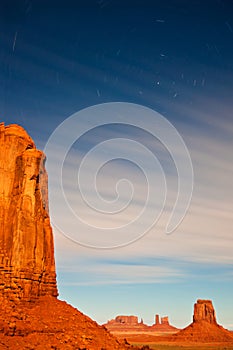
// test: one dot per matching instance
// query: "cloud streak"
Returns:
(205, 234)
(108, 274)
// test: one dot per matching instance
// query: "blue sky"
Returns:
(175, 57)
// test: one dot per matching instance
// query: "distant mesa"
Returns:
(131, 324)
(125, 323)
(127, 320)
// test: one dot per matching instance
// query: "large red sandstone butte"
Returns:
(31, 316)
(27, 266)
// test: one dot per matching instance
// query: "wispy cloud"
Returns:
(205, 235)
(102, 274)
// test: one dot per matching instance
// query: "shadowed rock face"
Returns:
(204, 311)
(27, 266)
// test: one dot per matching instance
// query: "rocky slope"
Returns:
(31, 316)
(49, 323)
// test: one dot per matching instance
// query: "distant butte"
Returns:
(204, 327)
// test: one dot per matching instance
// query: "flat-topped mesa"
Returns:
(27, 265)
(128, 320)
(204, 311)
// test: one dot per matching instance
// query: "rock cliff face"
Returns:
(27, 266)
(125, 324)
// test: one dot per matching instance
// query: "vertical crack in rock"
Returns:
(204, 311)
